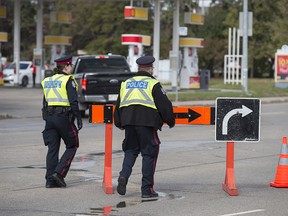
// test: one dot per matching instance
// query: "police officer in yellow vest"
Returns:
(60, 108)
(142, 108)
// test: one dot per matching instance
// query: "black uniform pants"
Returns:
(58, 126)
(142, 140)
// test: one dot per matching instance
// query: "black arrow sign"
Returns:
(191, 115)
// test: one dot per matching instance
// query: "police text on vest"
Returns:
(137, 84)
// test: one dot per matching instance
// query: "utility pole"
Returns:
(245, 47)
(174, 54)
(156, 36)
(16, 40)
(39, 41)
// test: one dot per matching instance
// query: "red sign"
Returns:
(136, 13)
(282, 64)
(131, 39)
(129, 12)
(281, 67)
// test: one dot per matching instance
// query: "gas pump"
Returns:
(57, 51)
(135, 49)
(134, 52)
(189, 74)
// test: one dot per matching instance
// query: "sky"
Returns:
(204, 3)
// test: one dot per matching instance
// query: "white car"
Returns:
(25, 73)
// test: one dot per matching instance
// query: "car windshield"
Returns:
(10, 66)
(23, 66)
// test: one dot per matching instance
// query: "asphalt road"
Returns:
(189, 175)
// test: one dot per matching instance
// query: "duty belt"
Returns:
(58, 109)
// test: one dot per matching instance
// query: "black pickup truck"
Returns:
(99, 79)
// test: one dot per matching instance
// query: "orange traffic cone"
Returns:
(281, 178)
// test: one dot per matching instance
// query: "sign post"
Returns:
(229, 183)
(237, 119)
(104, 114)
(107, 179)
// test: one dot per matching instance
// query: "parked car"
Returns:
(25, 73)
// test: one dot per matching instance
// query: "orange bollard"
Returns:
(107, 178)
(107, 210)
(281, 178)
(229, 183)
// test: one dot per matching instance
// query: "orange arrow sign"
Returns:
(194, 115)
(183, 115)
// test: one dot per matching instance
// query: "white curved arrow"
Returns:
(244, 111)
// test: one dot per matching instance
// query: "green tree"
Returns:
(98, 25)
(279, 26)
(261, 44)
(27, 30)
(214, 31)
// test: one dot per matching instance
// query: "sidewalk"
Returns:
(212, 102)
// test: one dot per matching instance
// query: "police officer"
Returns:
(141, 109)
(60, 108)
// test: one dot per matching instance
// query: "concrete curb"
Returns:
(212, 102)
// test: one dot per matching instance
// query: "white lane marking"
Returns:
(246, 212)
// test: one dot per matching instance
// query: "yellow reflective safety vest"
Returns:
(138, 91)
(54, 88)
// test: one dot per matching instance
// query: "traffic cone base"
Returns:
(107, 181)
(231, 191)
(281, 177)
(229, 183)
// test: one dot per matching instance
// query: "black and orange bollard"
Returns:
(107, 178)
(104, 114)
(229, 183)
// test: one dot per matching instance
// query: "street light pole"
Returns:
(39, 40)
(245, 47)
(16, 40)
(156, 36)
(174, 55)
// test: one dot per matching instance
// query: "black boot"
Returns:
(59, 179)
(121, 188)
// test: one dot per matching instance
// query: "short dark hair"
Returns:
(58, 68)
(144, 68)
